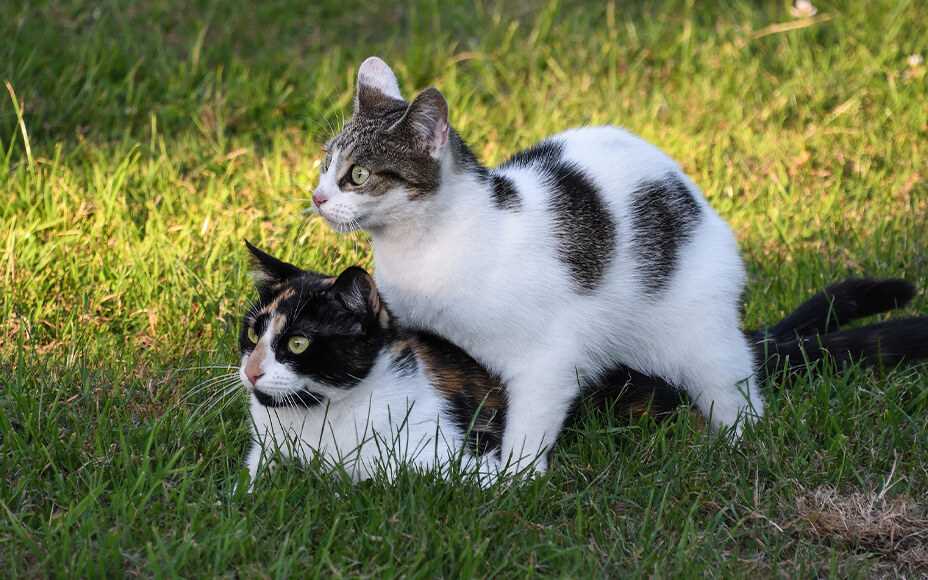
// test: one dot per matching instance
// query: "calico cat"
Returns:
(330, 373)
(595, 228)
(331, 376)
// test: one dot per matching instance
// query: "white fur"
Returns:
(386, 422)
(491, 281)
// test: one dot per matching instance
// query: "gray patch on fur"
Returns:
(664, 214)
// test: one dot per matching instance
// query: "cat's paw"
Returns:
(523, 468)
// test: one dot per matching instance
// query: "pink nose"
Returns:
(319, 199)
(253, 376)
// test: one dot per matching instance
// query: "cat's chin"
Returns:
(301, 399)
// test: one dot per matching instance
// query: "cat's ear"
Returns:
(426, 122)
(356, 290)
(268, 270)
(376, 82)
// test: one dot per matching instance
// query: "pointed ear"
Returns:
(376, 83)
(426, 121)
(357, 291)
(268, 270)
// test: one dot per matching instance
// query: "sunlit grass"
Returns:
(163, 134)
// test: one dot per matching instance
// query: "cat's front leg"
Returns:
(539, 402)
(256, 458)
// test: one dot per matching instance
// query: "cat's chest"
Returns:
(425, 285)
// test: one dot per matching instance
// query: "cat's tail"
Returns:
(808, 334)
(883, 344)
(838, 304)
(811, 330)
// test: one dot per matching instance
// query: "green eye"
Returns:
(359, 175)
(252, 335)
(297, 344)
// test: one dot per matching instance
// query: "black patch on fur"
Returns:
(543, 156)
(404, 364)
(624, 391)
(505, 195)
(664, 214)
(464, 158)
(582, 224)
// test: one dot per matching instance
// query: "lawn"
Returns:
(149, 138)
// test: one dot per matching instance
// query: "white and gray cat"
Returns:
(588, 250)
(331, 375)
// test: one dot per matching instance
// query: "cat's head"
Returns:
(310, 338)
(387, 157)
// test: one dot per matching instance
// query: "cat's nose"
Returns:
(253, 376)
(319, 198)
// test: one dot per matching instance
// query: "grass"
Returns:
(155, 135)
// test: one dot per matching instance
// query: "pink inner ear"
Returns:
(376, 74)
(441, 135)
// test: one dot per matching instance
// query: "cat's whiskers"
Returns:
(230, 397)
(205, 367)
(357, 236)
(224, 388)
(299, 304)
(307, 215)
(224, 395)
(210, 383)
(207, 383)
(355, 377)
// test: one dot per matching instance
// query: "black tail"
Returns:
(839, 304)
(883, 344)
(802, 338)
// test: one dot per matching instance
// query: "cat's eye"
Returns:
(297, 344)
(359, 175)
(252, 335)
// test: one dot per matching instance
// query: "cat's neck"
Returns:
(392, 375)
(461, 198)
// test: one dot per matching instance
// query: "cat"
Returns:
(594, 227)
(331, 374)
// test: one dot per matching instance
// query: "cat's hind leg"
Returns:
(715, 366)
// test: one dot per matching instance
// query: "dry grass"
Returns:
(893, 529)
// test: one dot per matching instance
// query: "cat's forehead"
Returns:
(289, 295)
(308, 306)
(277, 304)
(364, 135)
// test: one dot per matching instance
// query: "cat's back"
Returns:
(614, 158)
